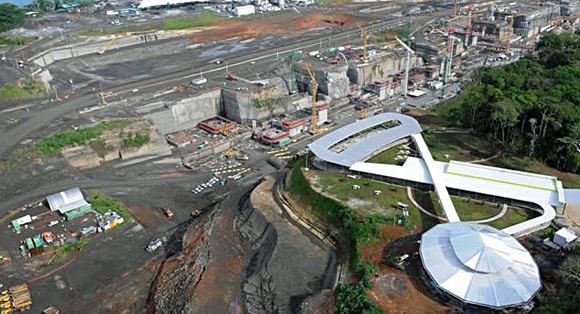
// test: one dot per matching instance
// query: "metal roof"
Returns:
(63, 200)
(479, 265)
(368, 146)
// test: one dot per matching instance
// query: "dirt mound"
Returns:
(286, 23)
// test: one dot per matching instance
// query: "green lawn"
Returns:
(340, 186)
(460, 147)
(513, 216)
(203, 20)
(388, 156)
(103, 203)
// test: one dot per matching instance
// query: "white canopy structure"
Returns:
(66, 200)
(479, 264)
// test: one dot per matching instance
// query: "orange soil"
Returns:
(287, 23)
(374, 251)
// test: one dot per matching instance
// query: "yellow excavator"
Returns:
(107, 46)
(228, 153)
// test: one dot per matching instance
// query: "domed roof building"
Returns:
(479, 265)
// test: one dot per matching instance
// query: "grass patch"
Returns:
(135, 141)
(22, 90)
(461, 147)
(203, 20)
(103, 203)
(569, 179)
(62, 252)
(17, 41)
(389, 156)
(58, 141)
(513, 216)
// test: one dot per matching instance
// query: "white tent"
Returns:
(479, 264)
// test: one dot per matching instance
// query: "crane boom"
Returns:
(407, 66)
(364, 34)
(314, 127)
(510, 32)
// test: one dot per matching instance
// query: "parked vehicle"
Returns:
(168, 212)
(154, 245)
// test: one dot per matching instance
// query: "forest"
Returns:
(530, 107)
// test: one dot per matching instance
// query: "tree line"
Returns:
(532, 106)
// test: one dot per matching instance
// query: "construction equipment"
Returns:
(364, 35)
(51, 310)
(4, 259)
(168, 212)
(455, 8)
(525, 38)
(363, 113)
(314, 127)
(6, 311)
(18, 299)
(407, 65)
(107, 46)
(228, 153)
(196, 213)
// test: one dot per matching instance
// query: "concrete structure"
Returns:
(68, 200)
(244, 10)
(179, 139)
(479, 265)
(564, 237)
(272, 137)
(381, 67)
(146, 4)
(293, 127)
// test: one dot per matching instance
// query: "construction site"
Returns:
(191, 131)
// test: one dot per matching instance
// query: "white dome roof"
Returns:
(479, 264)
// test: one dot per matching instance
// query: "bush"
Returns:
(56, 142)
(136, 141)
(22, 90)
(353, 299)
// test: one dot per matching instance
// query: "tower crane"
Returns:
(364, 34)
(510, 32)
(314, 127)
(407, 65)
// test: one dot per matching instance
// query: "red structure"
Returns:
(217, 125)
(271, 136)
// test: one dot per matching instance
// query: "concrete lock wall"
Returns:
(49, 56)
(334, 84)
(364, 74)
(187, 113)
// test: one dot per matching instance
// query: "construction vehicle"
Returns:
(107, 46)
(363, 113)
(228, 153)
(364, 35)
(195, 213)
(4, 259)
(6, 305)
(5, 298)
(6, 311)
(51, 310)
(168, 212)
(314, 127)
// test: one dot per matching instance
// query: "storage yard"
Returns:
(136, 183)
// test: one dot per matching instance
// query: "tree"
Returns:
(43, 5)
(10, 17)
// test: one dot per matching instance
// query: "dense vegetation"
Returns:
(531, 107)
(56, 142)
(561, 294)
(10, 17)
(350, 297)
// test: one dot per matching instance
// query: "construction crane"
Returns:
(364, 35)
(314, 127)
(455, 8)
(107, 46)
(228, 153)
(510, 32)
(407, 65)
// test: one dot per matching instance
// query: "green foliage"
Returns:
(22, 90)
(532, 106)
(10, 17)
(103, 203)
(203, 20)
(135, 141)
(56, 142)
(17, 41)
(353, 299)
(63, 251)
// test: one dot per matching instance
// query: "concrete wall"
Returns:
(385, 65)
(47, 57)
(187, 113)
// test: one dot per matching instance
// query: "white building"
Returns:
(244, 10)
(564, 237)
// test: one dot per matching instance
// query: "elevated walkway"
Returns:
(436, 179)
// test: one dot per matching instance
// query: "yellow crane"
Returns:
(364, 34)
(510, 31)
(314, 127)
(107, 46)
